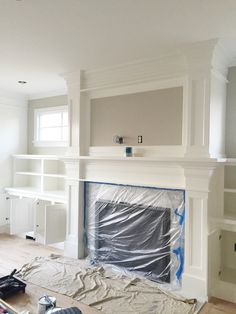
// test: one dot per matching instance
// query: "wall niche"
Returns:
(156, 115)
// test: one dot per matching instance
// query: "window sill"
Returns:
(50, 144)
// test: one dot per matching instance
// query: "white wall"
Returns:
(13, 137)
(231, 114)
(43, 103)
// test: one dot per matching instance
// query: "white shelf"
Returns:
(50, 195)
(227, 223)
(228, 161)
(230, 190)
(38, 176)
(31, 156)
(51, 175)
(26, 173)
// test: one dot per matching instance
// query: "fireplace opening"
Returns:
(137, 229)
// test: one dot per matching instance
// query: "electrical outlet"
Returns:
(140, 139)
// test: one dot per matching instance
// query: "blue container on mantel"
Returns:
(128, 152)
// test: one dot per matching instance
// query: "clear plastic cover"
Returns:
(138, 229)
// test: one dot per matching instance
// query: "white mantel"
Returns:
(201, 70)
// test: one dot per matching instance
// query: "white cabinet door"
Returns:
(55, 223)
(4, 209)
(21, 215)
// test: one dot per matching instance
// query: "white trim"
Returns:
(36, 142)
(179, 81)
(50, 143)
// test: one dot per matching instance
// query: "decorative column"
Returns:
(79, 122)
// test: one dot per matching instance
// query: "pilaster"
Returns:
(195, 276)
(74, 244)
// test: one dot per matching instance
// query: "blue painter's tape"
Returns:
(85, 203)
(179, 254)
(85, 216)
(181, 219)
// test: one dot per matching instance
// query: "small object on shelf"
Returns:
(9, 285)
(128, 152)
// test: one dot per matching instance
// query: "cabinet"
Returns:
(50, 222)
(4, 209)
(37, 200)
(224, 246)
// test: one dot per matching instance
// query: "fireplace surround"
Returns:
(138, 229)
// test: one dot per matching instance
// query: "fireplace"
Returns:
(138, 229)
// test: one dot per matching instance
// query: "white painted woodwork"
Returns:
(74, 244)
(55, 223)
(21, 215)
(4, 209)
(201, 70)
(38, 176)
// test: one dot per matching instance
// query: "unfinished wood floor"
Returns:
(14, 252)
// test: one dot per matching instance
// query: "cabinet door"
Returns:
(21, 215)
(4, 209)
(55, 223)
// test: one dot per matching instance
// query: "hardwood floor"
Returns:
(14, 252)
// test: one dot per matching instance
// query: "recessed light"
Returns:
(22, 82)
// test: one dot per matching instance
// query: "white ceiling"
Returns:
(40, 39)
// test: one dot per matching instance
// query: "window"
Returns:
(51, 126)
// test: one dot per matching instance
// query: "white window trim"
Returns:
(38, 143)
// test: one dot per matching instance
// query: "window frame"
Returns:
(37, 113)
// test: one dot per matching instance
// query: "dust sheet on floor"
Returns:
(103, 289)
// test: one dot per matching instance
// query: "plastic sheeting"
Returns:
(137, 229)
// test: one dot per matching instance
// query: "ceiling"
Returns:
(40, 39)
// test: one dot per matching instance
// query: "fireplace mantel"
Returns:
(192, 166)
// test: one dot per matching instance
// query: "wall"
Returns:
(156, 115)
(13, 137)
(43, 103)
(231, 114)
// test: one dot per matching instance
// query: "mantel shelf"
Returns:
(161, 159)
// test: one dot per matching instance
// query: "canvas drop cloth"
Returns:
(105, 290)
